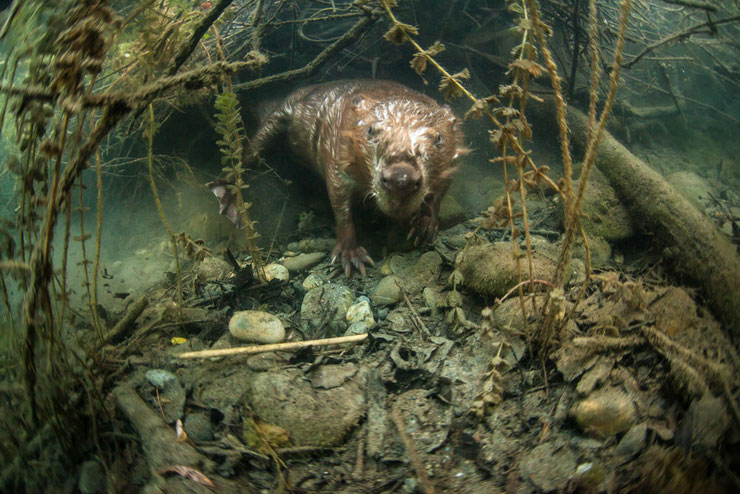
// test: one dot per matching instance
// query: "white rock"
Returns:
(360, 312)
(256, 326)
(276, 271)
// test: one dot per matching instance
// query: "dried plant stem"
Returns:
(277, 347)
(98, 230)
(153, 184)
(421, 471)
(559, 104)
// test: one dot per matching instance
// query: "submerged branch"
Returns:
(347, 38)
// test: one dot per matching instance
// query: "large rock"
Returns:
(603, 215)
(490, 269)
(318, 414)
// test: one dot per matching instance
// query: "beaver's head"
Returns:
(410, 148)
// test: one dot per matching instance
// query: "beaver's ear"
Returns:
(357, 101)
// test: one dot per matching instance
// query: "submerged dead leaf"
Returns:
(188, 473)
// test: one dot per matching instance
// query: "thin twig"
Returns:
(277, 347)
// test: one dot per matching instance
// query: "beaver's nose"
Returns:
(401, 177)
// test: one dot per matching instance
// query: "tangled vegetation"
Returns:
(84, 79)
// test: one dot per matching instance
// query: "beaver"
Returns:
(370, 139)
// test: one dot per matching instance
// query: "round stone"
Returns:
(276, 271)
(256, 326)
(361, 312)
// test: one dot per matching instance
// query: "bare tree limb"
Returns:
(347, 38)
(686, 33)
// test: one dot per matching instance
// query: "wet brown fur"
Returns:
(371, 138)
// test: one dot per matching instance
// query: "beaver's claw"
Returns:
(352, 256)
(423, 229)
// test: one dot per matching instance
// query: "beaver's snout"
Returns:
(401, 177)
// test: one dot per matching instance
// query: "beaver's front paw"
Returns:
(423, 229)
(352, 255)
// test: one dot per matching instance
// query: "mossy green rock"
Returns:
(491, 269)
(603, 214)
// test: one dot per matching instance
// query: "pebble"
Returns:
(605, 413)
(327, 305)
(92, 478)
(387, 291)
(198, 427)
(301, 262)
(161, 378)
(360, 312)
(312, 281)
(256, 326)
(632, 442)
(706, 422)
(548, 466)
(212, 268)
(276, 271)
(431, 299)
(356, 328)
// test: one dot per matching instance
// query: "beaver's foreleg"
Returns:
(346, 251)
(424, 225)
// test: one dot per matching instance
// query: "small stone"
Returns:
(548, 466)
(706, 422)
(198, 427)
(212, 268)
(92, 478)
(276, 271)
(632, 442)
(605, 413)
(387, 291)
(450, 212)
(361, 312)
(261, 362)
(424, 273)
(327, 305)
(312, 281)
(256, 326)
(356, 328)
(301, 262)
(431, 299)
(161, 378)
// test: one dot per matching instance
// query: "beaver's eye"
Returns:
(438, 140)
(371, 131)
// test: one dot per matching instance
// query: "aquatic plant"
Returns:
(231, 129)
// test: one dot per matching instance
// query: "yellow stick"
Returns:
(273, 348)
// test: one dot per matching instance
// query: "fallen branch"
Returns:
(686, 33)
(698, 252)
(213, 14)
(133, 312)
(694, 4)
(347, 38)
(273, 348)
(421, 470)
